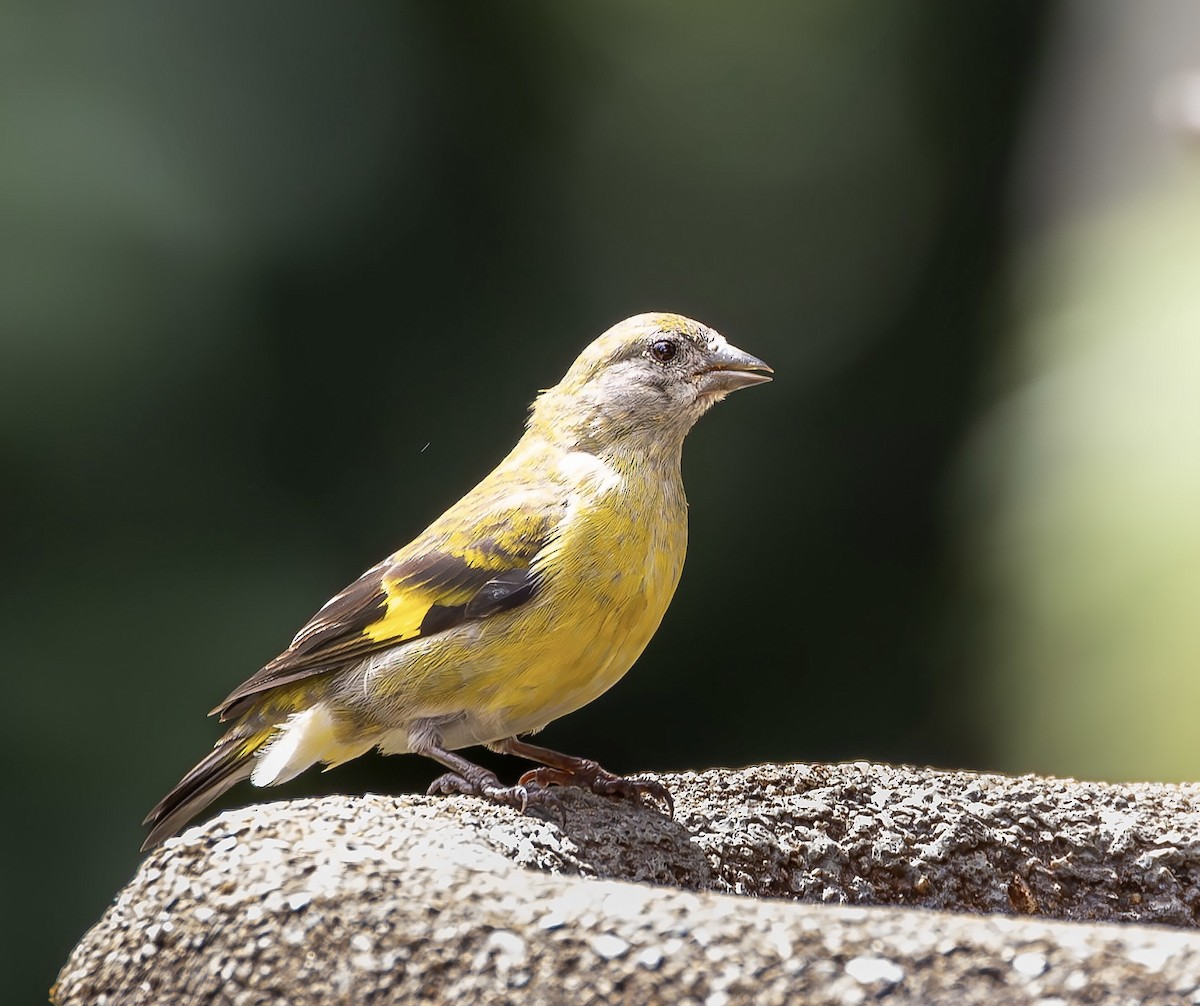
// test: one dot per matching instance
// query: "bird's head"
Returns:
(644, 382)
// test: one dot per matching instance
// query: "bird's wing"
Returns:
(439, 581)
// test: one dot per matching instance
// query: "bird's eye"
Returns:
(663, 350)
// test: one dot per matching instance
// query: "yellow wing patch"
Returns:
(407, 607)
(405, 612)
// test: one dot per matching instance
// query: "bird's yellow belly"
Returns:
(599, 623)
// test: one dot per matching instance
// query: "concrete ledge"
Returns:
(428, 899)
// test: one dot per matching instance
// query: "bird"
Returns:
(527, 599)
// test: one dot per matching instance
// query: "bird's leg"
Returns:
(568, 770)
(474, 780)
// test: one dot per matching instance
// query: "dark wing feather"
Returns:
(426, 588)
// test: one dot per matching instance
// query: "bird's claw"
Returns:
(523, 796)
(591, 776)
(485, 785)
(545, 799)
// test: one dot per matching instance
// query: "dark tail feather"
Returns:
(229, 763)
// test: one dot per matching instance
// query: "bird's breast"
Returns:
(609, 578)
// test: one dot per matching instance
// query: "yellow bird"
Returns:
(528, 598)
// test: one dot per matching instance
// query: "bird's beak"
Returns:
(728, 369)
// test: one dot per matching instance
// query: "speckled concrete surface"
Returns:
(402, 900)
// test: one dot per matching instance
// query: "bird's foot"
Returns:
(589, 775)
(484, 784)
(523, 796)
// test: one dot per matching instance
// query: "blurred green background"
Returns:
(277, 282)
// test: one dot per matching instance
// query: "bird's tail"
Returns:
(229, 763)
